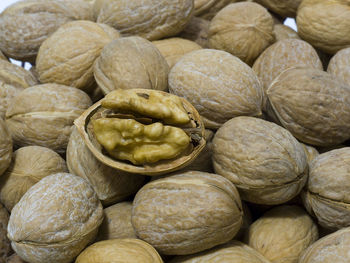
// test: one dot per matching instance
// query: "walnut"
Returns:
(311, 152)
(266, 163)
(197, 30)
(5, 245)
(209, 8)
(5, 147)
(218, 84)
(2, 56)
(284, 8)
(339, 65)
(187, 212)
(43, 115)
(81, 9)
(282, 32)
(14, 258)
(129, 63)
(55, 219)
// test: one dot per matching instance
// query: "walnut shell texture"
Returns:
(55, 219)
(14, 258)
(5, 147)
(5, 245)
(339, 65)
(284, 32)
(197, 30)
(284, 8)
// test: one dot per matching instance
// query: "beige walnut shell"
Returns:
(5, 147)
(2, 56)
(327, 192)
(110, 185)
(117, 222)
(187, 212)
(197, 30)
(26, 24)
(218, 84)
(283, 55)
(282, 32)
(5, 245)
(81, 9)
(329, 249)
(119, 250)
(130, 63)
(67, 56)
(209, 8)
(150, 19)
(231, 252)
(312, 104)
(14, 258)
(325, 24)
(55, 219)
(311, 152)
(266, 163)
(29, 165)
(172, 49)
(13, 79)
(282, 234)
(339, 65)
(284, 8)
(242, 29)
(43, 115)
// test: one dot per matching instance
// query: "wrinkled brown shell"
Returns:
(120, 250)
(187, 212)
(339, 65)
(282, 234)
(5, 245)
(5, 147)
(333, 248)
(208, 8)
(311, 152)
(110, 185)
(55, 219)
(284, 32)
(150, 19)
(14, 258)
(312, 104)
(2, 56)
(284, 8)
(67, 56)
(29, 165)
(197, 30)
(81, 9)
(161, 167)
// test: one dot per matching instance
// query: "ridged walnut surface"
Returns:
(81, 9)
(217, 84)
(284, 32)
(5, 147)
(339, 65)
(14, 258)
(312, 104)
(110, 185)
(26, 24)
(329, 249)
(242, 29)
(55, 219)
(28, 166)
(119, 250)
(284, 8)
(187, 212)
(43, 115)
(283, 55)
(325, 24)
(5, 245)
(67, 56)
(129, 63)
(150, 19)
(282, 234)
(117, 222)
(327, 192)
(13, 79)
(232, 252)
(209, 8)
(311, 152)
(266, 163)
(197, 30)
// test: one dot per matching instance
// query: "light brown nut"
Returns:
(284, 8)
(142, 131)
(311, 152)
(282, 32)
(266, 163)
(67, 56)
(233, 251)
(325, 24)
(26, 24)
(119, 250)
(81, 9)
(197, 30)
(14, 258)
(339, 65)
(208, 8)
(130, 63)
(13, 79)
(28, 166)
(117, 222)
(55, 219)
(187, 212)
(172, 49)
(312, 104)
(43, 115)
(218, 84)
(327, 195)
(5, 245)
(282, 234)
(329, 249)
(2, 56)
(110, 185)
(283, 55)
(242, 29)
(150, 19)
(5, 147)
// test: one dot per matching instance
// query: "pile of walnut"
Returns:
(175, 131)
